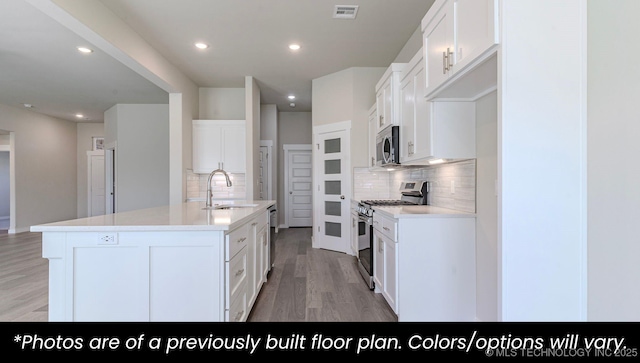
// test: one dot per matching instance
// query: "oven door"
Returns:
(365, 248)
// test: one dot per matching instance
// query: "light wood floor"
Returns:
(306, 284)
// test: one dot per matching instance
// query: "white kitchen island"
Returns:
(171, 263)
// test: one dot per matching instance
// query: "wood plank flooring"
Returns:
(310, 284)
(306, 284)
(24, 278)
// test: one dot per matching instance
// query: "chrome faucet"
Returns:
(209, 192)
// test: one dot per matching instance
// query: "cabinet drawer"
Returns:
(260, 221)
(386, 226)
(236, 273)
(389, 228)
(236, 240)
(237, 311)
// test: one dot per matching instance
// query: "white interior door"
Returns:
(299, 183)
(332, 167)
(264, 176)
(96, 183)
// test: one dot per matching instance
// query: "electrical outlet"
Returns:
(107, 239)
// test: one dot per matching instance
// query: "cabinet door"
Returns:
(207, 151)
(407, 117)
(390, 287)
(388, 104)
(234, 148)
(261, 252)
(264, 265)
(380, 111)
(378, 261)
(422, 146)
(373, 127)
(354, 234)
(438, 45)
(475, 30)
(252, 260)
(415, 110)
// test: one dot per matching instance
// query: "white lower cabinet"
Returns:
(254, 236)
(386, 259)
(425, 267)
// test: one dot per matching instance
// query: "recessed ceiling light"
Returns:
(85, 50)
(292, 104)
(202, 45)
(294, 46)
(79, 115)
(292, 97)
(27, 105)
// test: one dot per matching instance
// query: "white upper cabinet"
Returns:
(388, 97)
(432, 130)
(372, 129)
(219, 144)
(457, 35)
(415, 113)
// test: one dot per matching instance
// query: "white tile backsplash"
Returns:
(197, 186)
(370, 184)
(386, 185)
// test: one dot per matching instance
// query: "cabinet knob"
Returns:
(342, 197)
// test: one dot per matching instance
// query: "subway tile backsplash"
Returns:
(370, 184)
(386, 185)
(197, 186)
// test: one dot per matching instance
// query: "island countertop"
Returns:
(188, 216)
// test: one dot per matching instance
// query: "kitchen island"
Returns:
(179, 262)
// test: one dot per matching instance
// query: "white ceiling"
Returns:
(39, 63)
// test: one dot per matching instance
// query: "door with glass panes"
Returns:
(332, 187)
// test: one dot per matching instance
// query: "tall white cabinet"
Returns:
(219, 144)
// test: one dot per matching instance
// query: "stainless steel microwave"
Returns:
(388, 147)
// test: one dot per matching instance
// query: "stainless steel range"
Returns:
(413, 193)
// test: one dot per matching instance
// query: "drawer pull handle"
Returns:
(242, 239)
(254, 223)
(239, 315)
(239, 272)
(386, 228)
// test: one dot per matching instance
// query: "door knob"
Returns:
(342, 197)
(290, 192)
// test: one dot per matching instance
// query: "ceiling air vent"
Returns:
(345, 11)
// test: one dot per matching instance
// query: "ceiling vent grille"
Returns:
(345, 11)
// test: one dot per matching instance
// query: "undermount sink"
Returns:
(230, 206)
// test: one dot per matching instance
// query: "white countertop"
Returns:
(187, 216)
(421, 211)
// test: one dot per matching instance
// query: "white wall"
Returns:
(613, 168)
(252, 104)
(347, 95)
(269, 131)
(486, 208)
(99, 25)
(45, 167)
(85, 133)
(142, 156)
(222, 103)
